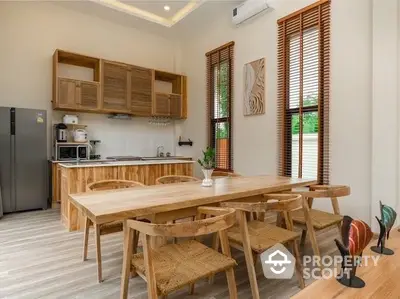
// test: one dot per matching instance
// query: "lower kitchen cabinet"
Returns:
(75, 180)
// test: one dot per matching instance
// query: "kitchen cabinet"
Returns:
(167, 105)
(116, 87)
(75, 179)
(88, 95)
(104, 86)
(67, 93)
(141, 91)
(77, 94)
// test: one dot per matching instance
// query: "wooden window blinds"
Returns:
(219, 101)
(303, 92)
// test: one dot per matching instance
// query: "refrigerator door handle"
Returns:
(13, 173)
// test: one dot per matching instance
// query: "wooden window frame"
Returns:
(315, 15)
(212, 121)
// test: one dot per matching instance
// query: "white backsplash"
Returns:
(134, 137)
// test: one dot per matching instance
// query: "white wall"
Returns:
(255, 142)
(385, 107)
(364, 80)
(29, 34)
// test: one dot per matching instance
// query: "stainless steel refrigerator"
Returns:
(23, 159)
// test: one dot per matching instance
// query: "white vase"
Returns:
(207, 182)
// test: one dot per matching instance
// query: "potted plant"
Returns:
(207, 164)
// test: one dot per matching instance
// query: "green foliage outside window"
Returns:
(221, 77)
(310, 120)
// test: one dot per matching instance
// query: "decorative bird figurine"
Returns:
(356, 235)
(388, 217)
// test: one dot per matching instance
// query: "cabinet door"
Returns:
(116, 88)
(67, 93)
(175, 106)
(88, 98)
(161, 104)
(141, 91)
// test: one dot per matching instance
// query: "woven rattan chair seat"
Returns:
(320, 219)
(178, 265)
(262, 235)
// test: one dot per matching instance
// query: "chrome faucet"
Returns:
(160, 151)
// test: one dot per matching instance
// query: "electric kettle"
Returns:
(80, 135)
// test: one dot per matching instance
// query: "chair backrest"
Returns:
(221, 219)
(171, 179)
(218, 173)
(112, 184)
(270, 202)
(326, 191)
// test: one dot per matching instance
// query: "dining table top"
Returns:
(120, 204)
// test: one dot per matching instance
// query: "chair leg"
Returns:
(336, 210)
(86, 238)
(303, 237)
(215, 246)
(98, 252)
(310, 227)
(126, 262)
(134, 250)
(248, 255)
(230, 277)
(191, 289)
(299, 267)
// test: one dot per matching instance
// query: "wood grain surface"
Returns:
(381, 281)
(113, 205)
(40, 259)
(75, 180)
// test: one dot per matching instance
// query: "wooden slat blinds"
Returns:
(303, 92)
(219, 103)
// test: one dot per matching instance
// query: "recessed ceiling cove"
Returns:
(154, 10)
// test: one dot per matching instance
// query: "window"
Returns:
(219, 102)
(303, 92)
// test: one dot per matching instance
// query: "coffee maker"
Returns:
(61, 132)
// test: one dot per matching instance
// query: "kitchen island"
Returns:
(74, 177)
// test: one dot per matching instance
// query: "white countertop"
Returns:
(122, 163)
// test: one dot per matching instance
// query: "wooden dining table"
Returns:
(121, 204)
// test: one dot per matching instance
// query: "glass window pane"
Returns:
(310, 145)
(221, 90)
(222, 145)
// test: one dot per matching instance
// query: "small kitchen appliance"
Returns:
(61, 133)
(70, 119)
(72, 152)
(80, 135)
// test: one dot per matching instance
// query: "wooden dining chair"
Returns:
(256, 236)
(172, 179)
(174, 266)
(313, 220)
(105, 228)
(219, 173)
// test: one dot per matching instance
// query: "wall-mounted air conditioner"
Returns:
(249, 9)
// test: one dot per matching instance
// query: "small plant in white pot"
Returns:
(207, 164)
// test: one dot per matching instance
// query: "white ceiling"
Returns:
(153, 10)
(157, 6)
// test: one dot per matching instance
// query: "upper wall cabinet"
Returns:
(170, 95)
(71, 92)
(141, 91)
(116, 87)
(88, 84)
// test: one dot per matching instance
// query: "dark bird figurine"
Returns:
(356, 235)
(388, 217)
